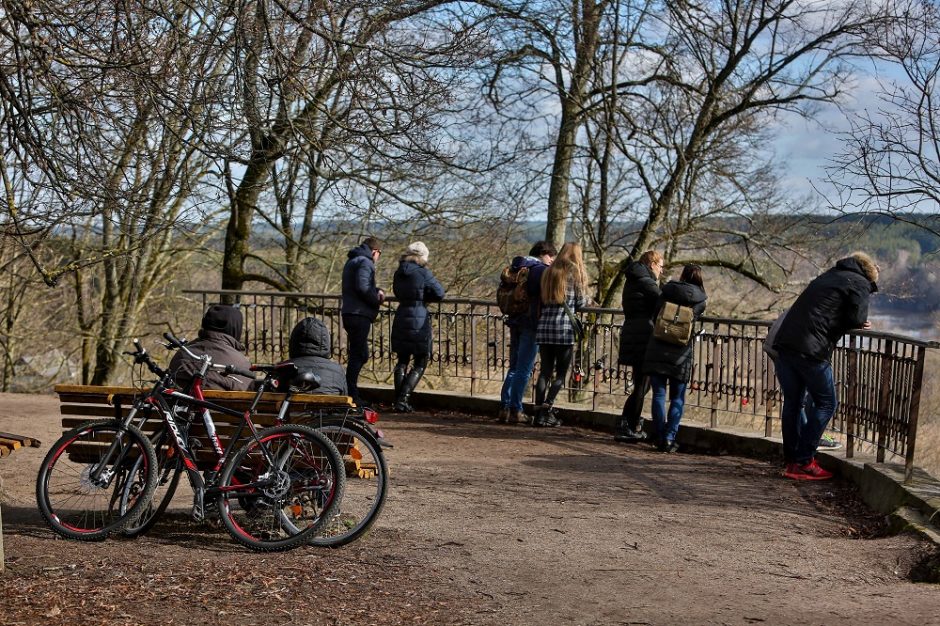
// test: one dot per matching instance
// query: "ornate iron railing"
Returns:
(879, 375)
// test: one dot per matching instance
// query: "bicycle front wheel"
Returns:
(84, 474)
(366, 484)
(281, 489)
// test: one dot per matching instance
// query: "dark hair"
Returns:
(543, 247)
(373, 243)
(692, 274)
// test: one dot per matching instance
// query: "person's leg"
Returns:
(357, 348)
(563, 355)
(401, 370)
(658, 385)
(547, 358)
(630, 425)
(512, 373)
(820, 408)
(791, 384)
(525, 361)
(676, 408)
(412, 380)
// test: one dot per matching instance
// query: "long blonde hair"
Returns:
(568, 267)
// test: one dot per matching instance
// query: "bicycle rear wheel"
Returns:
(169, 467)
(279, 500)
(366, 484)
(81, 480)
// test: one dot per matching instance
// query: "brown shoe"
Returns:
(517, 416)
(503, 415)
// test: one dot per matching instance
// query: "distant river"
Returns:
(916, 325)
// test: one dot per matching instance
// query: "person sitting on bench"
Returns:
(310, 351)
(221, 327)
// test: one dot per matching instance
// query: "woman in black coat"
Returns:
(639, 300)
(414, 285)
(670, 364)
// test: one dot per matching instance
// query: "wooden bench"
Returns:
(9, 443)
(80, 403)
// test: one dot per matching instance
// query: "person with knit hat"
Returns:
(834, 303)
(219, 338)
(414, 285)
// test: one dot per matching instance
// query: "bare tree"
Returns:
(891, 162)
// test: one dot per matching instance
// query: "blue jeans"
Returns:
(664, 429)
(803, 426)
(522, 351)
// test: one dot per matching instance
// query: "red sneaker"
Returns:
(810, 471)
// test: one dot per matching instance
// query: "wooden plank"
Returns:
(30, 442)
(4, 451)
(13, 444)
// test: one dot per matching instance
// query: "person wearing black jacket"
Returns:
(414, 285)
(670, 364)
(361, 302)
(310, 347)
(639, 300)
(834, 303)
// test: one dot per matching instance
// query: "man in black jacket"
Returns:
(831, 305)
(361, 302)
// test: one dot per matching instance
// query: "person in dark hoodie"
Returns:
(668, 364)
(834, 303)
(522, 346)
(361, 302)
(310, 351)
(414, 285)
(639, 300)
(221, 327)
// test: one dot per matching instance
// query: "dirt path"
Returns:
(491, 524)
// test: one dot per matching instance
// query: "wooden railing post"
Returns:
(851, 380)
(884, 399)
(717, 374)
(913, 417)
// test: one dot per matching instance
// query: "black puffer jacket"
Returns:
(224, 350)
(666, 358)
(834, 303)
(414, 285)
(310, 351)
(639, 300)
(360, 295)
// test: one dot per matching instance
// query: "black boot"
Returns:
(408, 385)
(399, 375)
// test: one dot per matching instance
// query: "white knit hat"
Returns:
(419, 250)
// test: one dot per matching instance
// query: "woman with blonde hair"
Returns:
(564, 289)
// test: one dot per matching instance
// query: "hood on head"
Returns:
(224, 318)
(310, 337)
(637, 270)
(861, 263)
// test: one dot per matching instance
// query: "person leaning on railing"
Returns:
(639, 300)
(671, 364)
(834, 303)
(522, 347)
(414, 285)
(361, 302)
(564, 286)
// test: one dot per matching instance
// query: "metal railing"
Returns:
(878, 375)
